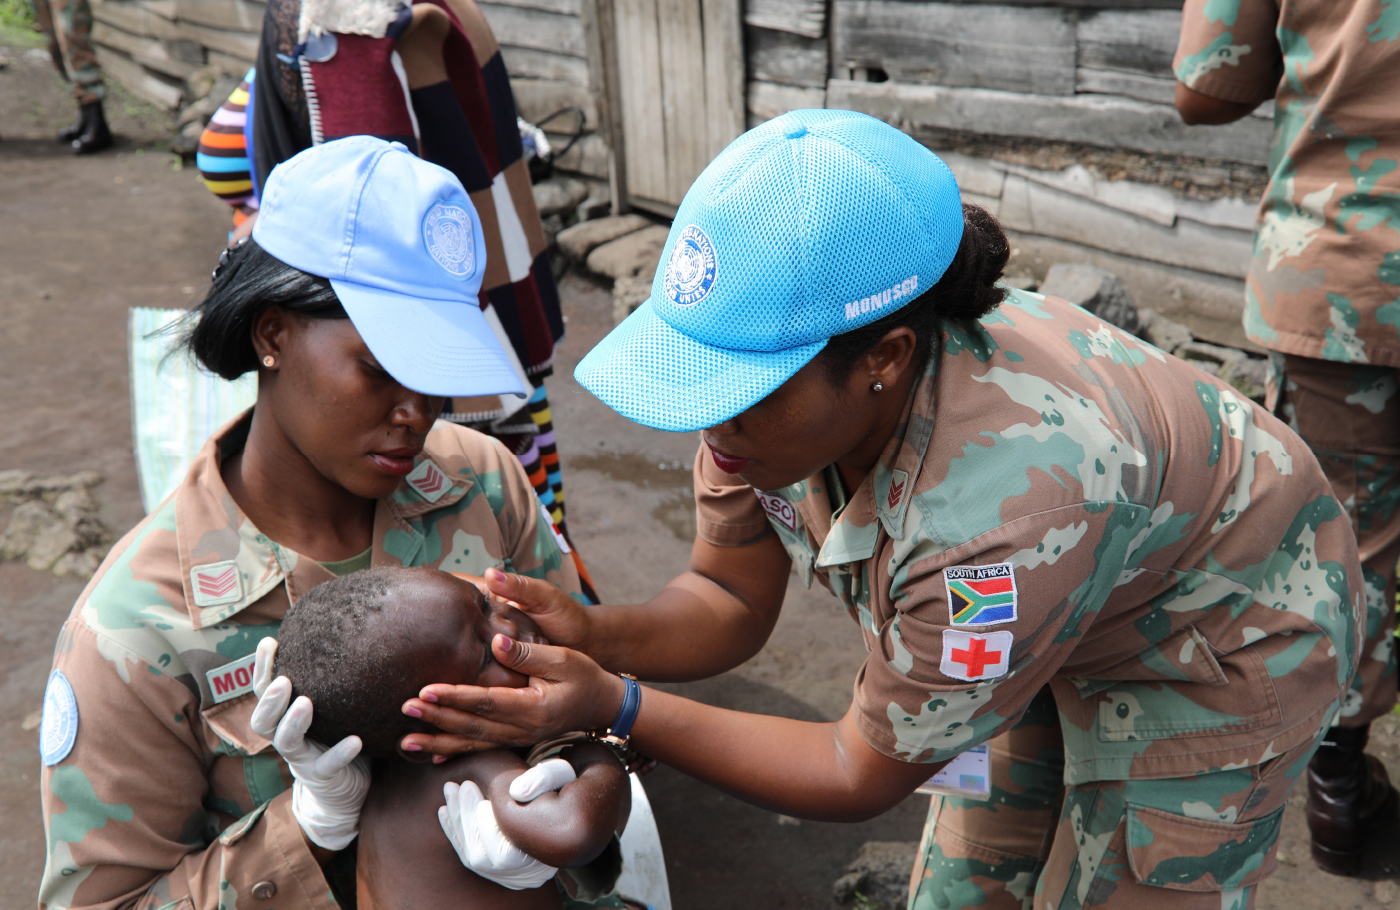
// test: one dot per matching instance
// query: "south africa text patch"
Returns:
(981, 595)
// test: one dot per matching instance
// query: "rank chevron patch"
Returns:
(981, 595)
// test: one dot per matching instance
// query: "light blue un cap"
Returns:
(810, 225)
(401, 244)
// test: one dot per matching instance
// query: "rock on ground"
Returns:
(581, 239)
(1097, 290)
(630, 255)
(629, 292)
(559, 195)
(1162, 332)
(879, 873)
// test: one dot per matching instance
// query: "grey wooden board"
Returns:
(149, 52)
(768, 99)
(1015, 49)
(1039, 209)
(589, 156)
(243, 45)
(535, 29)
(166, 9)
(223, 63)
(1130, 85)
(137, 79)
(786, 58)
(535, 99)
(1100, 120)
(1076, 4)
(1131, 41)
(530, 63)
(564, 7)
(801, 17)
(235, 15)
(133, 18)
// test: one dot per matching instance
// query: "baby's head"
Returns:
(361, 645)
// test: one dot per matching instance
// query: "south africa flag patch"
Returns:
(981, 595)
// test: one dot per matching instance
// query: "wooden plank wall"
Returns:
(154, 46)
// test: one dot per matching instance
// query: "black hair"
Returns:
(966, 292)
(219, 330)
(351, 667)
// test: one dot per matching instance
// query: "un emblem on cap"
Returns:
(691, 270)
(447, 233)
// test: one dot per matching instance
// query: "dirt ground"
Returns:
(81, 240)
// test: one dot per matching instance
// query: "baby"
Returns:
(359, 647)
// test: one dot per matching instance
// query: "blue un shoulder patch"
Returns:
(60, 725)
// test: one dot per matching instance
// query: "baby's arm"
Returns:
(566, 828)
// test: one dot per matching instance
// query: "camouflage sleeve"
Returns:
(727, 513)
(979, 629)
(123, 802)
(1229, 50)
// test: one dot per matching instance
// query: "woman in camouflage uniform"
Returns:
(1025, 510)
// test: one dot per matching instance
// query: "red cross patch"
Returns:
(220, 583)
(973, 656)
(428, 481)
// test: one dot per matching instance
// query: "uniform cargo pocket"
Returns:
(1189, 854)
(1160, 710)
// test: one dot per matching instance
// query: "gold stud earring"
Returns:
(878, 387)
(269, 361)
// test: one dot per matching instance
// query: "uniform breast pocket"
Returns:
(1231, 693)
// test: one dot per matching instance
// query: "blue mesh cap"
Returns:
(810, 225)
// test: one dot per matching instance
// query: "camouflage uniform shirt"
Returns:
(1065, 504)
(1325, 278)
(165, 796)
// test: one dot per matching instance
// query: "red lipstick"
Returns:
(396, 462)
(728, 463)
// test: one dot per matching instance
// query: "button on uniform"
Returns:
(265, 891)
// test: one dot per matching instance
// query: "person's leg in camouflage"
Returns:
(989, 854)
(1198, 843)
(67, 24)
(1349, 414)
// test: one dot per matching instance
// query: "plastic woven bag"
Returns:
(175, 405)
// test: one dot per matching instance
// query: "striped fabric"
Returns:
(223, 153)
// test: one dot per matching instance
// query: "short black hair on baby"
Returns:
(337, 651)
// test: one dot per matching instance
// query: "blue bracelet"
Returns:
(621, 730)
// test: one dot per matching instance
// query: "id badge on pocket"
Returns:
(968, 776)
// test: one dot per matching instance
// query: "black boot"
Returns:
(1348, 792)
(95, 136)
(68, 134)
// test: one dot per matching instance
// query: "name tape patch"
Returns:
(232, 679)
(447, 233)
(981, 595)
(692, 269)
(881, 299)
(778, 509)
(216, 584)
(975, 655)
(59, 728)
(428, 481)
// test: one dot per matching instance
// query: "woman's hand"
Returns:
(563, 620)
(330, 784)
(567, 692)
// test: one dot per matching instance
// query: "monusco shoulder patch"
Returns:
(59, 728)
(232, 679)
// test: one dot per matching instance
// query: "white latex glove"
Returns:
(331, 784)
(541, 779)
(470, 824)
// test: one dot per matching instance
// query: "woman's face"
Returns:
(804, 425)
(337, 406)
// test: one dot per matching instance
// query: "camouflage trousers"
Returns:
(67, 24)
(1349, 415)
(1181, 843)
